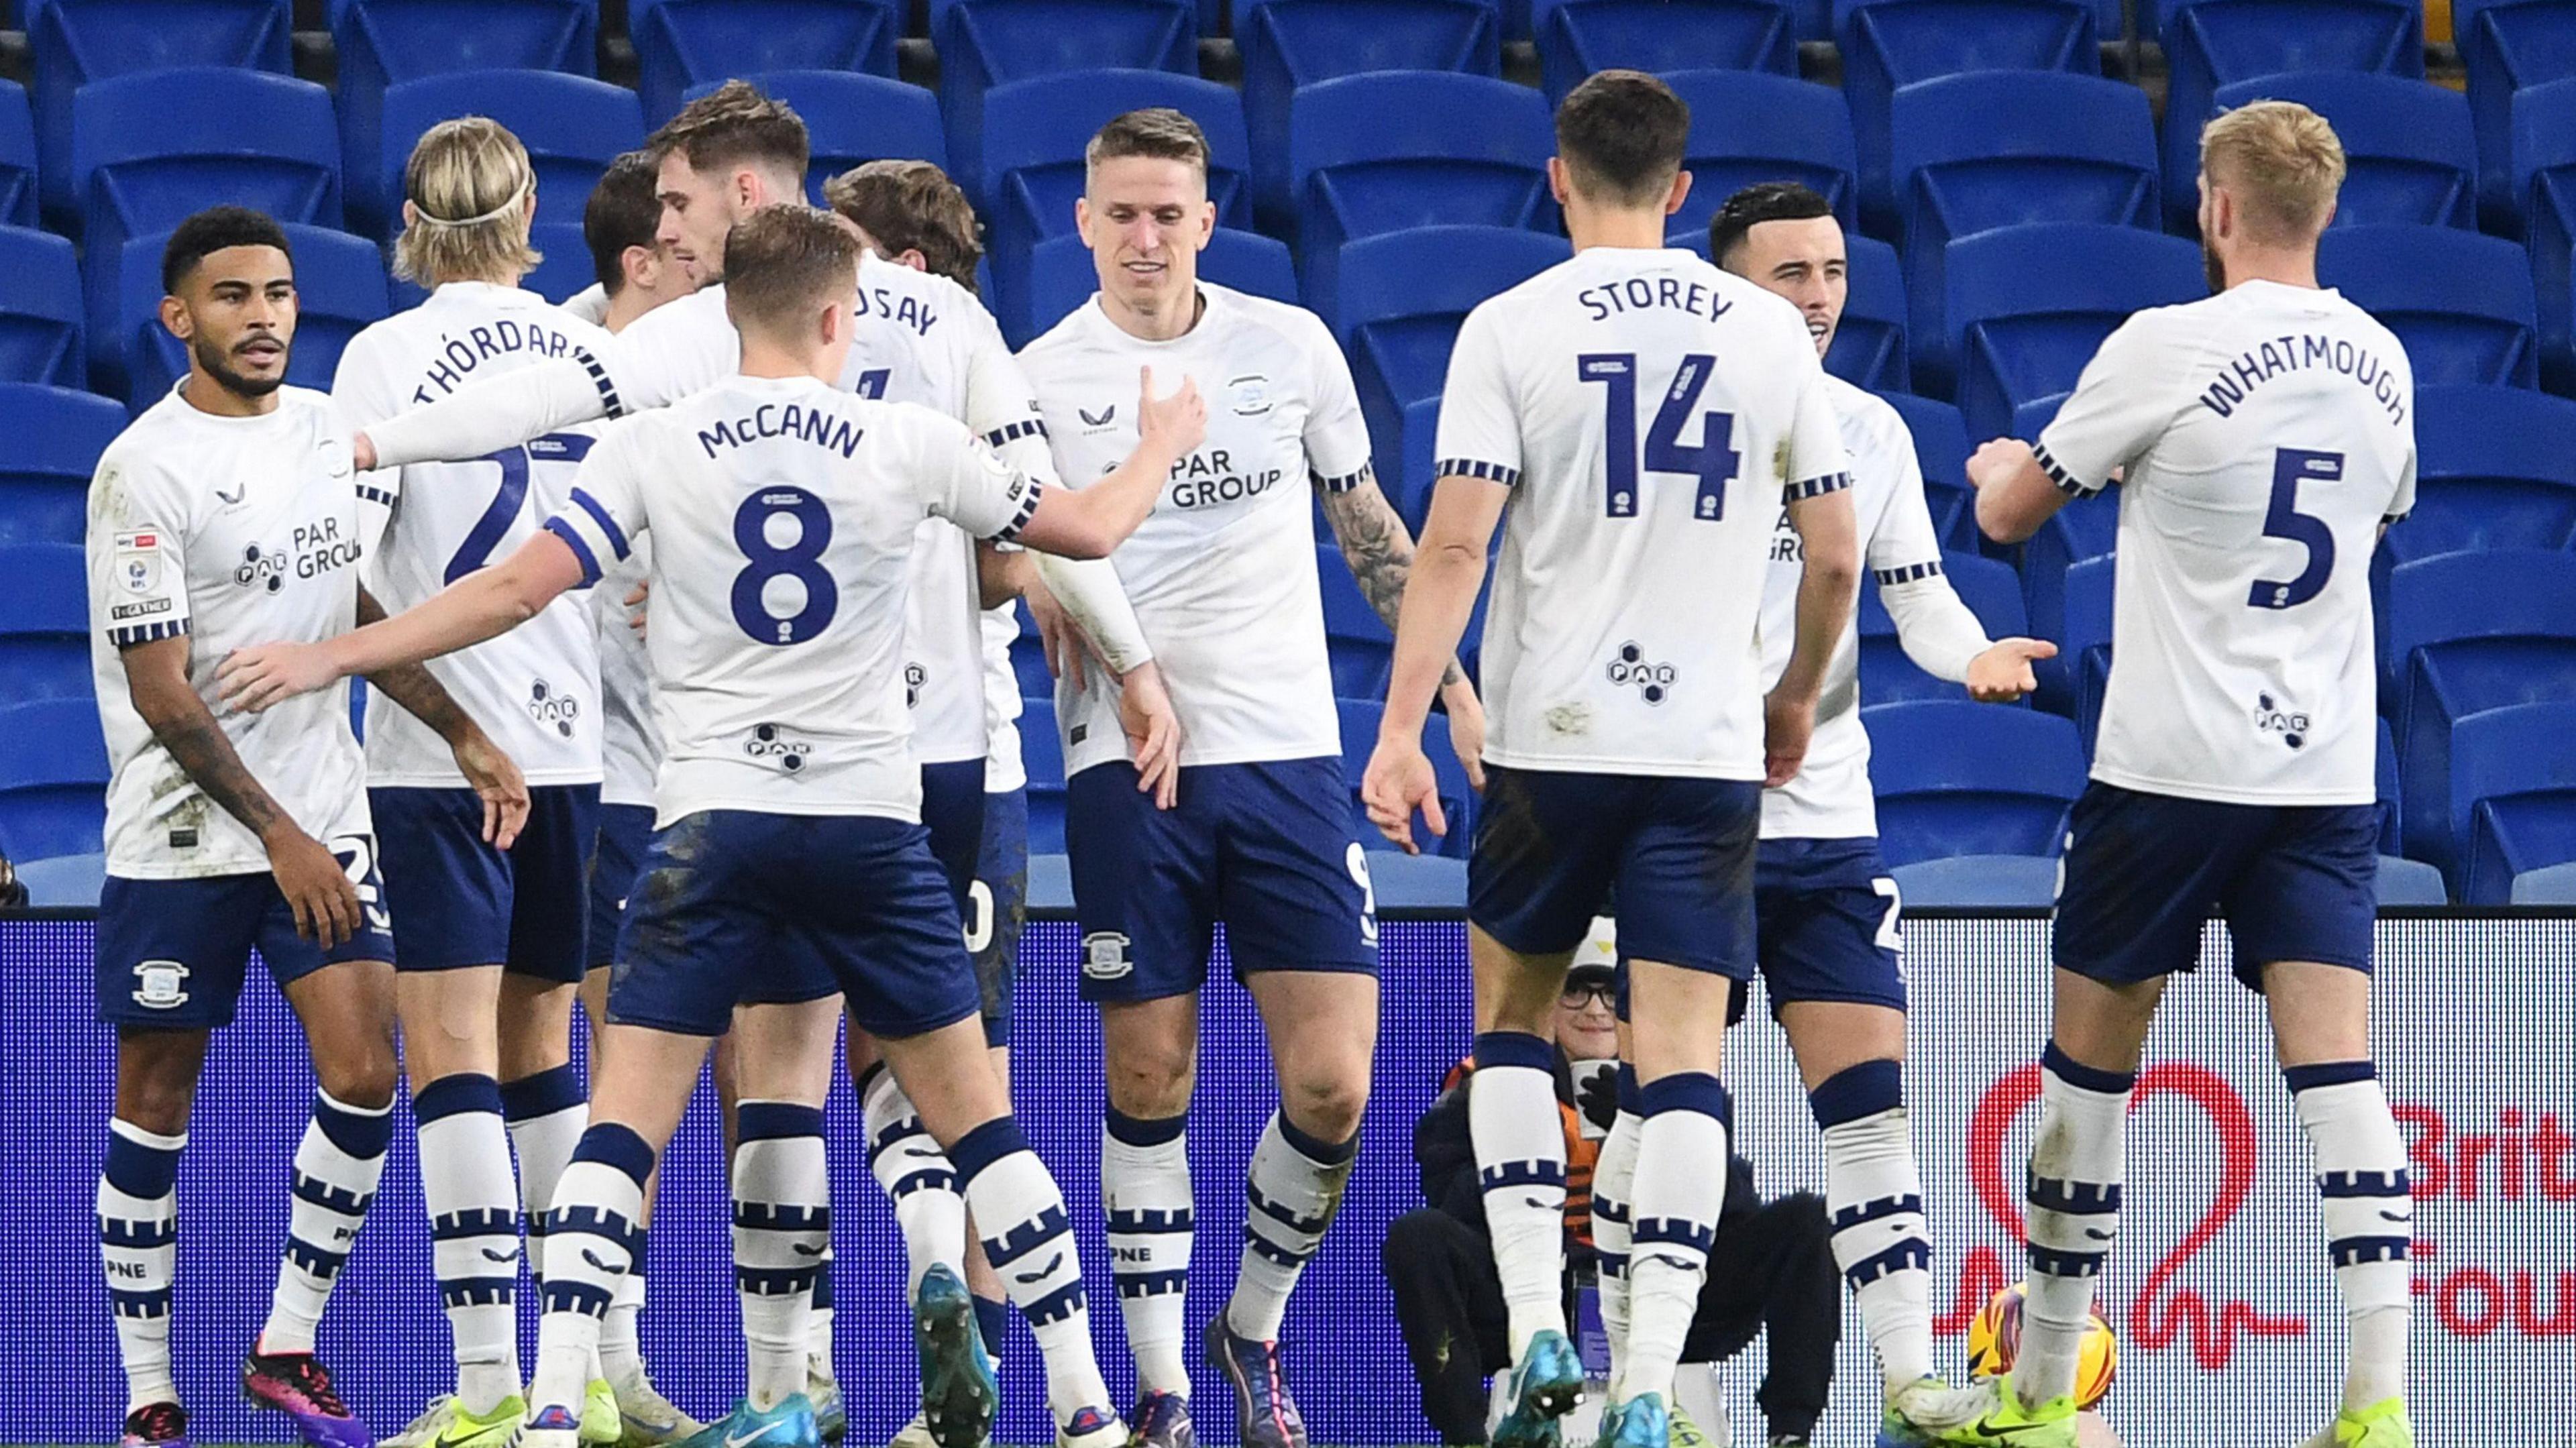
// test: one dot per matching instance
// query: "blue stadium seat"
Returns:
(44, 623)
(2462, 303)
(1577, 37)
(2084, 638)
(566, 270)
(65, 881)
(2410, 152)
(2409, 882)
(55, 436)
(1978, 882)
(1042, 754)
(17, 157)
(76, 43)
(2392, 793)
(1941, 452)
(851, 119)
(2512, 797)
(1975, 152)
(1061, 277)
(989, 43)
(1869, 349)
(340, 287)
(573, 127)
(1988, 587)
(2507, 47)
(383, 43)
(1030, 171)
(1287, 44)
(1748, 127)
(1358, 638)
(1029, 666)
(2084, 528)
(2493, 471)
(2547, 885)
(2212, 43)
(149, 150)
(2544, 193)
(1887, 44)
(1370, 154)
(1956, 778)
(682, 43)
(1402, 297)
(2469, 632)
(40, 312)
(53, 780)
(2028, 306)
(1359, 724)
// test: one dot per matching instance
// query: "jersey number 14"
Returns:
(1712, 462)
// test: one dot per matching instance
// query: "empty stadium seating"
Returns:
(2410, 152)
(53, 780)
(2027, 305)
(2462, 303)
(17, 157)
(1956, 778)
(851, 119)
(681, 43)
(1941, 452)
(1990, 590)
(2508, 46)
(55, 436)
(1748, 127)
(2544, 195)
(1042, 754)
(1577, 37)
(1291, 43)
(75, 43)
(1061, 275)
(44, 624)
(340, 288)
(573, 127)
(2466, 633)
(988, 43)
(2087, 594)
(40, 310)
(2512, 797)
(1869, 349)
(2083, 528)
(2494, 471)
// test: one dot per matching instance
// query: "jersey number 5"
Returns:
(1713, 462)
(2290, 467)
(800, 560)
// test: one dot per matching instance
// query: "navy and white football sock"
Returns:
(138, 1245)
(1153, 1222)
(2369, 1217)
(1292, 1191)
(2078, 1161)
(546, 1113)
(466, 1183)
(1021, 1216)
(916, 1176)
(1875, 1195)
(621, 1346)
(337, 1166)
(1681, 1187)
(1520, 1165)
(782, 1226)
(1614, 1183)
(818, 1323)
(593, 1235)
(993, 1324)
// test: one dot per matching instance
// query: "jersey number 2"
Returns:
(800, 560)
(1712, 462)
(2290, 467)
(509, 498)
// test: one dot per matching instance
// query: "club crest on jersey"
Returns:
(138, 561)
(1654, 681)
(1251, 394)
(161, 985)
(1097, 421)
(773, 742)
(549, 705)
(2271, 718)
(1104, 955)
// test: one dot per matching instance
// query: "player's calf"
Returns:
(2077, 1165)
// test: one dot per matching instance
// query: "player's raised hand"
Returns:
(1398, 782)
(257, 679)
(324, 899)
(1153, 733)
(496, 780)
(1787, 725)
(1177, 422)
(2002, 674)
(1998, 459)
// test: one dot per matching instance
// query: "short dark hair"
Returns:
(215, 229)
(1623, 135)
(734, 123)
(912, 206)
(1159, 132)
(784, 259)
(1760, 202)
(622, 212)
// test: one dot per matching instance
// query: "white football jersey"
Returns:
(783, 514)
(1650, 414)
(1222, 575)
(2265, 435)
(234, 531)
(1004, 771)
(590, 304)
(1829, 798)
(629, 751)
(535, 689)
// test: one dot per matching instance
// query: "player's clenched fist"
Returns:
(1177, 422)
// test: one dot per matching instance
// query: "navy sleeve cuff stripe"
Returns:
(607, 524)
(1815, 487)
(1033, 427)
(168, 628)
(1471, 468)
(376, 495)
(2066, 482)
(1347, 481)
(599, 379)
(1028, 510)
(1910, 573)
(580, 549)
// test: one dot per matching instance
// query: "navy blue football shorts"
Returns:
(625, 831)
(1825, 924)
(463, 902)
(173, 955)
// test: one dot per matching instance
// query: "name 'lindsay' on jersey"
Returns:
(2266, 433)
(1222, 575)
(1650, 413)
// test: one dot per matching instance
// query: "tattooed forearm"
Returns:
(178, 717)
(1379, 549)
(413, 686)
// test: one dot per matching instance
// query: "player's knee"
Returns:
(364, 1078)
(1327, 1109)
(1151, 1082)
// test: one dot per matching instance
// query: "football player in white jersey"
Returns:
(788, 813)
(2261, 440)
(228, 513)
(494, 939)
(1824, 906)
(1644, 415)
(1223, 579)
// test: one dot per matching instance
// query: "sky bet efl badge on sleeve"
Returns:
(138, 560)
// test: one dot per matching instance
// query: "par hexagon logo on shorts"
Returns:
(1104, 955)
(161, 985)
(1654, 681)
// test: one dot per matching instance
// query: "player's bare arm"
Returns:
(1001, 574)
(1380, 552)
(1089, 522)
(493, 775)
(1439, 595)
(2014, 494)
(323, 899)
(1829, 540)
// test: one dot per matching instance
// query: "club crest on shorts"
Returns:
(1104, 955)
(161, 985)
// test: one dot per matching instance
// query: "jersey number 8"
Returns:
(800, 560)
(1713, 462)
